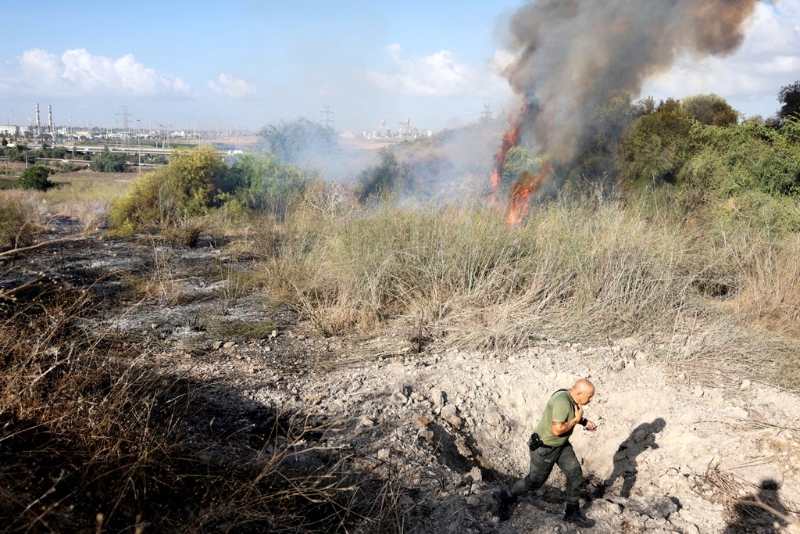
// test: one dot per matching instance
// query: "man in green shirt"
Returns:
(549, 446)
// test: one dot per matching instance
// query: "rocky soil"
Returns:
(675, 451)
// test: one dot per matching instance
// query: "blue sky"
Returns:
(250, 63)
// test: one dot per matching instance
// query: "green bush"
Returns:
(387, 177)
(36, 177)
(185, 188)
(107, 161)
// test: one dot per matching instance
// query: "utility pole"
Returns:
(327, 112)
(125, 133)
(139, 143)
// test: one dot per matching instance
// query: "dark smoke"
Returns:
(573, 54)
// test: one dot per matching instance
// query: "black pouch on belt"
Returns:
(535, 442)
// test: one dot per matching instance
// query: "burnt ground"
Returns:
(447, 427)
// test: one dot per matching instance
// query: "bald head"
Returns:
(582, 392)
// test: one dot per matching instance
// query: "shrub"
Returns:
(36, 177)
(18, 224)
(185, 188)
(107, 161)
(385, 178)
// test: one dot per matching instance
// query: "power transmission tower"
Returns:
(486, 114)
(125, 133)
(167, 128)
(327, 112)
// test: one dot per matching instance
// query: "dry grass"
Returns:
(84, 196)
(94, 438)
(583, 269)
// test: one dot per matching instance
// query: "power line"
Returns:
(327, 112)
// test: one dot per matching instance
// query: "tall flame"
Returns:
(527, 184)
(510, 140)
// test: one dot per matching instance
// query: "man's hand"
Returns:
(590, 426)
(578, 413)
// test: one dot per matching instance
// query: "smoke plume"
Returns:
(572, 54)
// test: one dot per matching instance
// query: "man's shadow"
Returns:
(761, 510)
(642, 438)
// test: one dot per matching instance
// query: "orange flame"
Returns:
(527, 184)
(510, 139)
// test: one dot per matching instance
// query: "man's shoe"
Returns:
(504, 502)
(575, 516)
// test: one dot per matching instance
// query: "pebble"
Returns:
(745, 385)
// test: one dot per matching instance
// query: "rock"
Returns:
(384, 454)
(216, 345)
(426, 434)
(229, 345)
(365, 422)
(698, 391)
(745, 385)
(473, 500)
(274, 334)
(450, 414)
(398, 398)
(492, 417)
(424, 419)
(654, 506)
(476, 474)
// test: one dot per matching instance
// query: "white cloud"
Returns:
(768, 59)
(77, 72)
(233, 87)
(439, 74)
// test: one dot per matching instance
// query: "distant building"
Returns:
(9, 130)
(406, 131)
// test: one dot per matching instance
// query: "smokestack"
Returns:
(572, 54)
(38, 121)
(50, 120)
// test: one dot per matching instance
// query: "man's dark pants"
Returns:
(542, 461)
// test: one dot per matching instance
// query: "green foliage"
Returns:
(298, 141)
(18, 153)
(518, 159)
(751, 157)
(657, 146)
(36, 177)
(789, 96)
(385, 178)
(710, 109)
(598, 153)
(107, 161)
(185, 188)
(260, 183)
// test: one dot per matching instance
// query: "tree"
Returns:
(298, 141)
(107, 161)
(710, 109)
(36, 177)
(5, 141)
(789, 96)
(386, 177)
